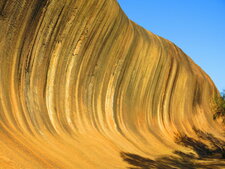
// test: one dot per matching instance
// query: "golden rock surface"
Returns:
(80, 83)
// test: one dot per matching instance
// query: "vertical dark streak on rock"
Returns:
(166, 89)
(29, 33)
(24, 53)
(51, 35)
(196, 99)
(121, 78)
(2, 6)
(55, 40)
(37, 10)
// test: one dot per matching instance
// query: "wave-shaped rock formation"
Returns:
(80, 83)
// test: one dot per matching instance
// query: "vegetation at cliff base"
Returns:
(205, 152)
(218, 106)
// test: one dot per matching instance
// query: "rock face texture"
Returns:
(80, 83)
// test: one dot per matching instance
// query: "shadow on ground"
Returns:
(207, 152)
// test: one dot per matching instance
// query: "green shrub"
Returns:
(218, 106)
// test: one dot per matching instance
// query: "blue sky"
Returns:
(196, 26)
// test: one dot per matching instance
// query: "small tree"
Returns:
(218, 106)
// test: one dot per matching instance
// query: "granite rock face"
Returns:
(80, 83)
